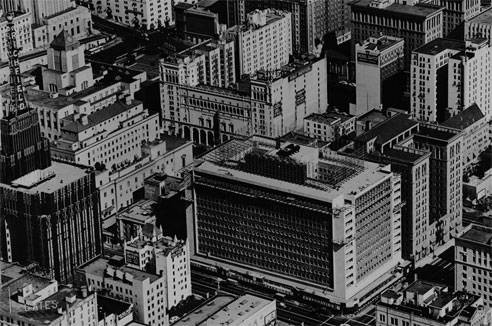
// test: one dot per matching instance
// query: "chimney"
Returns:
(84, 120)
(84, 291)
(128, 100)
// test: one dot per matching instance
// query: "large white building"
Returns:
(473, 262)
(111, 136)
(264, 42)
(266, 103)
(144, 290)
(299, 218)
(164, 256)
(211, 62)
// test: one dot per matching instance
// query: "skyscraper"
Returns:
(23, 150)
(49, 212)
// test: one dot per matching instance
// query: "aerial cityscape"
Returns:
(245, 162)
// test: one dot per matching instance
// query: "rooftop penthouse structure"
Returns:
(290, 203)
(431, 304)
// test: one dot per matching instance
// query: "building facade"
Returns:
(456, 13)
(76, 20)
(480, 26)
(377, 59)
(144, 290)
(263, 42)
(310, 19)
(475, 128)
(329, 126)
(67, 71)
(387, 143)
(23, 35)
(268, 198)
(469, 78)
(446, 180)
(147, 14)
(473, 271)
(267, 103)
(211, 62)
(56, 231)
(37, 301)
(421, 23)
(98, 137)
(163, 256)
(429, 79)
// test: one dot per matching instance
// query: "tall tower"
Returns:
(23, 150)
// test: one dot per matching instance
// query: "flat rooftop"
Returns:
(97, 267)
(47, 100)
(100, 116)
(139, 212)
(439, 45)
(329, 117)
(51, 179)
(203, 312)
(420, 287)
(381, 43)
(418, 11)
(478, 234)
(409, 156)
(337, 174)
(10, 306)
(388, 129)
(484, 17)
(224, 310)
(437, 132)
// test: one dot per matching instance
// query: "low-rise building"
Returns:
(122, 184)
(112, 312)
(112, 135)
(329, 126)
(228, 310)
(146, 291)
(28, 299)
(473, 262)
(425, 303)
(476, 188)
